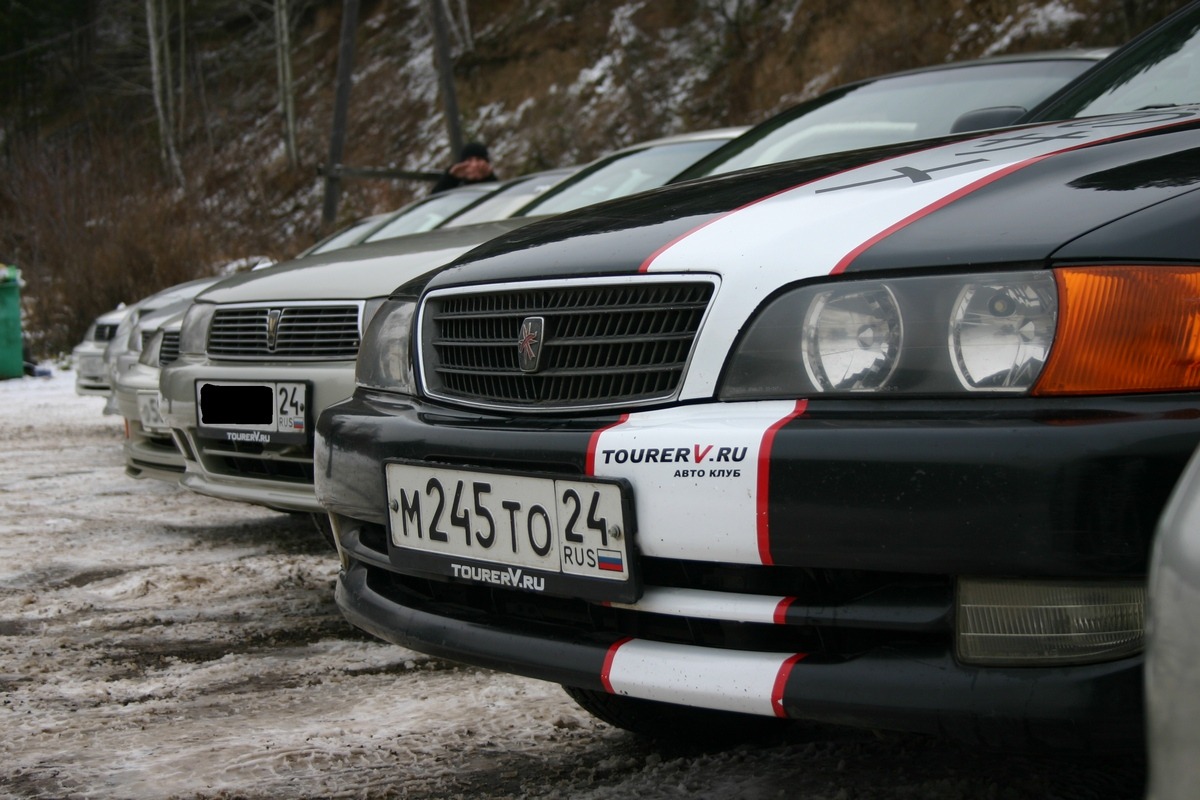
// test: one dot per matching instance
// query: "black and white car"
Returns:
(878, 438)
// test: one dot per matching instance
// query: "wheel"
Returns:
(675, 723)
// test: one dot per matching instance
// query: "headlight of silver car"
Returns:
(922, 335)
(149, 355)
(385, 357)
(193, 335)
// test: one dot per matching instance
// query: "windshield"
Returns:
(889, 110)
(622, 174)
(348, 236)
(505, 202)
(1163, 69)
(428, 214)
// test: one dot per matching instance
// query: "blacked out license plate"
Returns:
(270, 412)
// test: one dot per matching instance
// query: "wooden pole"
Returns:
(445, 68)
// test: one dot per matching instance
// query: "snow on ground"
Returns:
(158, 644)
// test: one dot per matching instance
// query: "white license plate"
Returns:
(150, 412)
(497, 527)
(268, 412)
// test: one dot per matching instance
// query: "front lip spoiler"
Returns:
(920, 689)
(300, 499)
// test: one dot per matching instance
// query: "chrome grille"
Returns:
(304, 332)
(604, 344)
(168, 351)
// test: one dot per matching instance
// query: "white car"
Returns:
(91, 376)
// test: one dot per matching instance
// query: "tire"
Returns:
(668, 722)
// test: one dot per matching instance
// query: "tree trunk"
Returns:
(166, 138)
(179, 120)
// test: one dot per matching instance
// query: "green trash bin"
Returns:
(12, 358)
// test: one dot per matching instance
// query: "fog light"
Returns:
(1048, 623)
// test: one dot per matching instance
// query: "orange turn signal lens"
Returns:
(1125, 329)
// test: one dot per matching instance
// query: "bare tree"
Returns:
(283, 60)
(460, 24)
(166, 131)
(182, 67)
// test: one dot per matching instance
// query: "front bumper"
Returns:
(852, 520)
(149, 453)
(278, 476)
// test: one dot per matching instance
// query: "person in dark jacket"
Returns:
(473, 166)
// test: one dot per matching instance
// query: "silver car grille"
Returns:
(603, 344)
(293, 332)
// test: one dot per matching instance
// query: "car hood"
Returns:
(356, 273)
(1022, 195)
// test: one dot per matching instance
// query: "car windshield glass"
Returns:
(425, 215)
(622, 174)
(889, 110)
(346, 237)
(1162, 70)
(504, 203)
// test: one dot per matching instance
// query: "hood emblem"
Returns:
(529, 343)
(273, 315)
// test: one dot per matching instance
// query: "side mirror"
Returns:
(983, 118)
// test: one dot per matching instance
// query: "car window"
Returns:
(1162, 69)
(425, 215)
(506, 201)
(889, 110)
(622, 174)
(346, 237)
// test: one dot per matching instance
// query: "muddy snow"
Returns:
(159, 644)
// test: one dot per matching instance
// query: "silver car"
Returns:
(150, 451)
(91, 376)
(261, 355)
(1173, 645)
(139, 324)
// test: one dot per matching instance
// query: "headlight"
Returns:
(149, 355)
(385, 357)
(1000, 333)
(851, 339)
(125, 329)
(193, 335)
(922, 335)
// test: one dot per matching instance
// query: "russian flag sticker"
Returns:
(610, 560)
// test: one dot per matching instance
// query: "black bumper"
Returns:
(901, 499)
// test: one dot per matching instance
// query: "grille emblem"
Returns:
(273, 315)
(529, 343)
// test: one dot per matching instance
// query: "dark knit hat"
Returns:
(473, 150)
